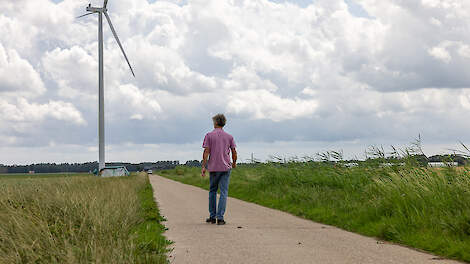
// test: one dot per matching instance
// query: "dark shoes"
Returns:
(210, 220)
(213, 221)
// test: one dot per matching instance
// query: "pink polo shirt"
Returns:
(219, 142)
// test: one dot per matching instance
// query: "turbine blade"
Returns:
(84, 15)
(105, 3)
(118, 41)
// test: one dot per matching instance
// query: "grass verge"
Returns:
(428, 209)
(82, 219)
(151, 244)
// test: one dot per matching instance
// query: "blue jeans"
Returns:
(218, 179)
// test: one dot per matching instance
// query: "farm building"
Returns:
(114, 171)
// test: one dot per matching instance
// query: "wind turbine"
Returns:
(100, 11)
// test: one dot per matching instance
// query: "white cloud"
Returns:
(17, 75)
(410, 35)
(464, 50)
(24, 112)
(137, 117)
(440, 52)
(309, 91)
(74, 70)
(140, 104)
(465, 100)
(262, 104)
(242, 78)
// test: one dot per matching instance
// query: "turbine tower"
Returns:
(100, 11)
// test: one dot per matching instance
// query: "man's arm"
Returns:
(205, 156)
(234, 158)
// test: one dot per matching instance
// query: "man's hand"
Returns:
(234, 158)
(205, 156)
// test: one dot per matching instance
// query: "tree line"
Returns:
(85, 167)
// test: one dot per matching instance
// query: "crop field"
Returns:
(428, 209)
(79, 218)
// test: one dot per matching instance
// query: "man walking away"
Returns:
(217, 146)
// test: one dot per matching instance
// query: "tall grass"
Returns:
(423, 208)
(78, 220)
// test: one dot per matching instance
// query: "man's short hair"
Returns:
(219, 120)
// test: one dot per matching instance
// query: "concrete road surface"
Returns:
(255, 234)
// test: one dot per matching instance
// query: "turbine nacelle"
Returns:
(96, 9)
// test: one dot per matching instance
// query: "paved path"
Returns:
(256, 234)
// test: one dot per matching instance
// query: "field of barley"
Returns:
(79, 218)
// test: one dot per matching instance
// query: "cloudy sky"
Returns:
(294, 77)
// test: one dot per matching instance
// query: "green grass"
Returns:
(81, 219)
(423, 208)
(151, 243)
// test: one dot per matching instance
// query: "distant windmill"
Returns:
(100, 12)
